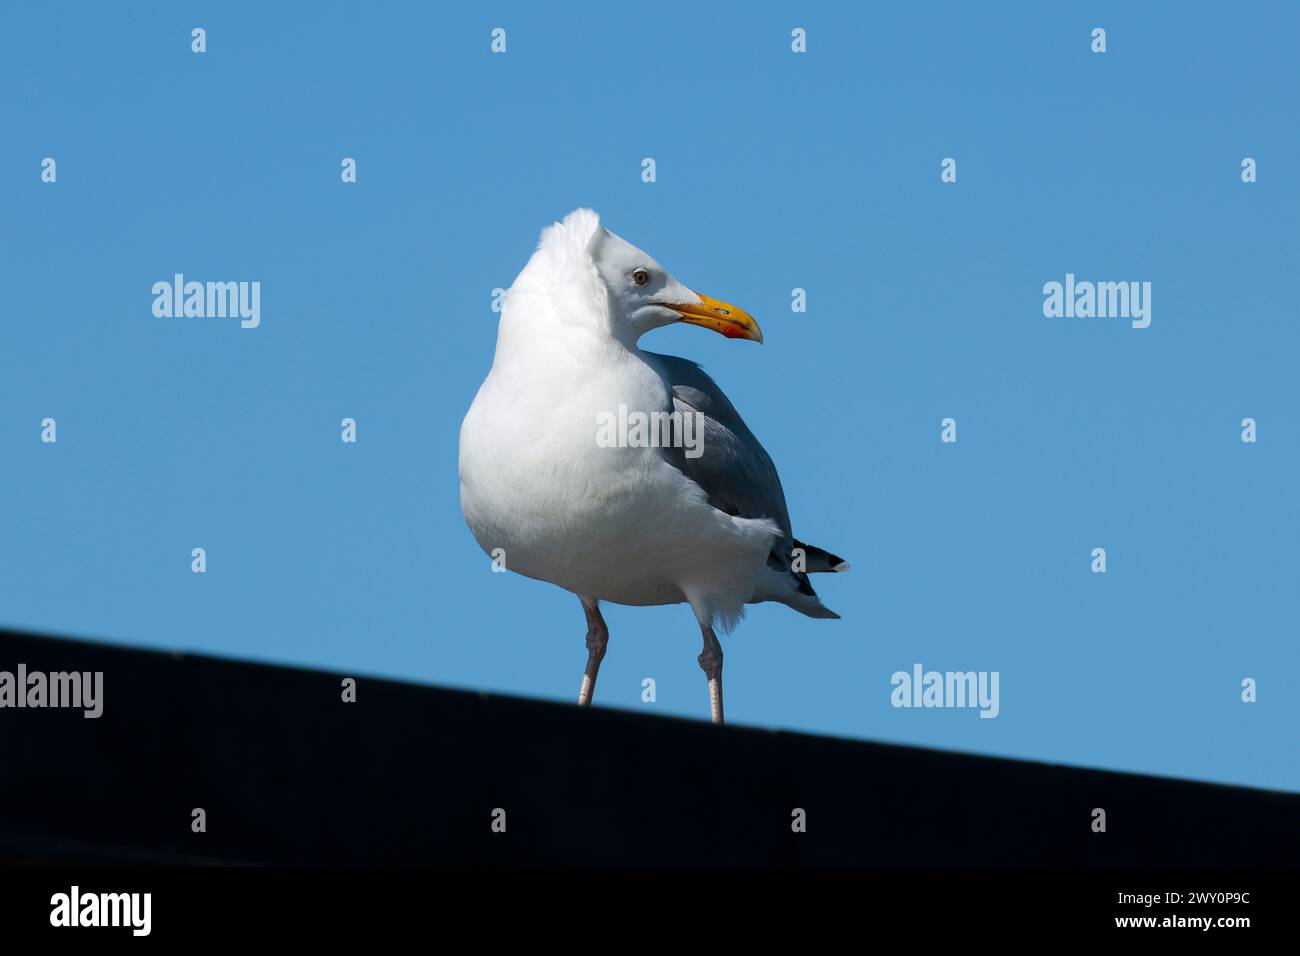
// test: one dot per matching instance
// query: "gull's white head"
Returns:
(599, 280)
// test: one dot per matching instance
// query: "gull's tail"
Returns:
(780, 581)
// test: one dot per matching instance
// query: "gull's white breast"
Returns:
(614, 523)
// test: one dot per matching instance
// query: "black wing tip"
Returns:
(819, 560)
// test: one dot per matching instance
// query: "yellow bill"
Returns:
(721, 317)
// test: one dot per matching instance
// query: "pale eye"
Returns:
(640, 277)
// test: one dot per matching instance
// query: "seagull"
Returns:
(630, 521)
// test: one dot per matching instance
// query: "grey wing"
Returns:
(737, 475)
(734, 470)
(739, 478)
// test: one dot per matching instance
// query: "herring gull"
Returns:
(697, 518)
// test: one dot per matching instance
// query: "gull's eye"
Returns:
(640, 277)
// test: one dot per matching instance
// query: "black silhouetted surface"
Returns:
(288, 773)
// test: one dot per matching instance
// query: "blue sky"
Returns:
(774, 171)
